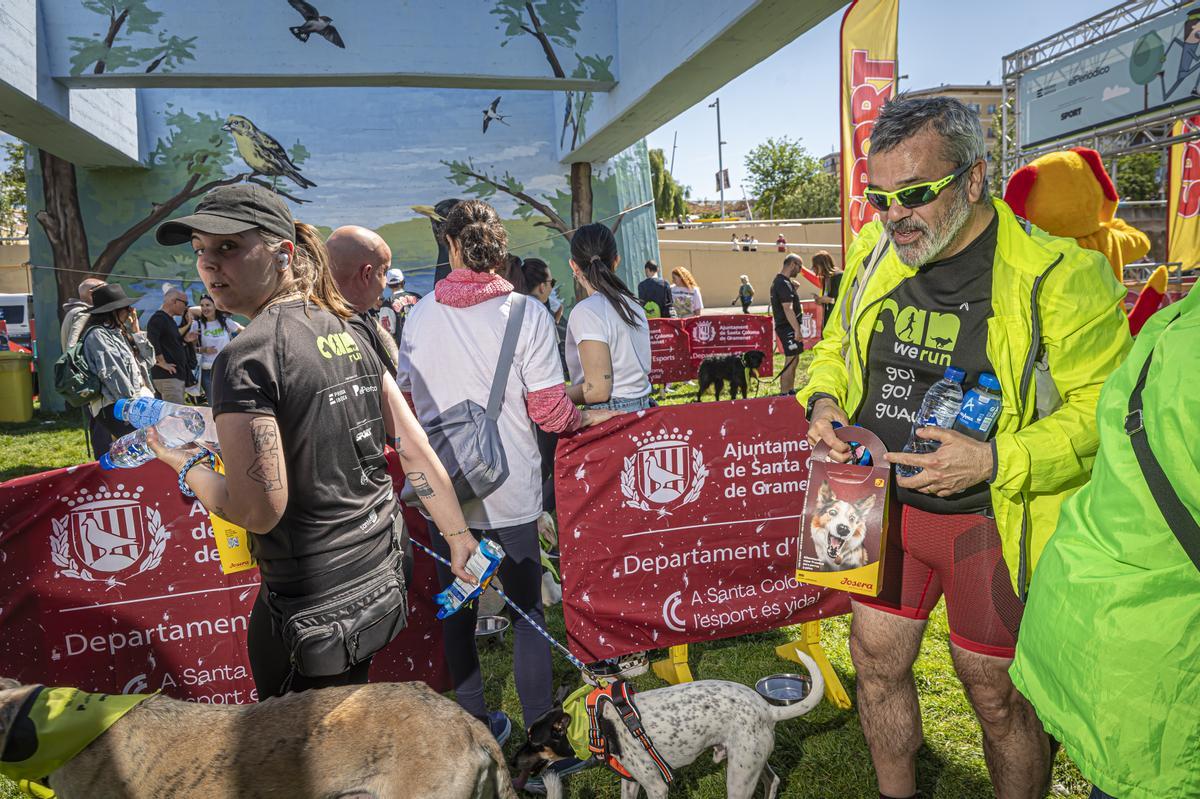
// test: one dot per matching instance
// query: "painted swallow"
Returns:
(491, 113)
(314, 23)
(262, 153)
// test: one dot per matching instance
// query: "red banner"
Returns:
(677, 346)
(679, 525)
(110, 582)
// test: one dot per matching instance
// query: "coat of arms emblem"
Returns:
(666, 471)
(107, 533)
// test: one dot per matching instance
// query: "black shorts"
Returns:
(787, 338)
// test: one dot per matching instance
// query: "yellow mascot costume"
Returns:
(1069, 193)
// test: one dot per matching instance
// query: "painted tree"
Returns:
(551, 23)
(484, 185)
(112, 50)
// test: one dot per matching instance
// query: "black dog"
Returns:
(716, 370)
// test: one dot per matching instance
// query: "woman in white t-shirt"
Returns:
(216, 330)
(449, 350)
(685, 294)
(608, 337)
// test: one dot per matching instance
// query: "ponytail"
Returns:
(594, 250)
(310, 270)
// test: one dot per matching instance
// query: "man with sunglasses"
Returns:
(948, 276)
(171, 361)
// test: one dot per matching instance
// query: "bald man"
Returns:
(359, 259)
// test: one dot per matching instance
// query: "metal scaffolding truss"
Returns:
(1146, 132)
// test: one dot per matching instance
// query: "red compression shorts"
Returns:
(959, 555)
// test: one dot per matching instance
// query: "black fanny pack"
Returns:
(327, 632)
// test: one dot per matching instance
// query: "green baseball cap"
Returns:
(227, 210)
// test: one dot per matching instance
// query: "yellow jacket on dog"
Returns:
(1057, 331)
(54, 725)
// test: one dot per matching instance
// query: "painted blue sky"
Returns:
(384, 154)
(795, 92)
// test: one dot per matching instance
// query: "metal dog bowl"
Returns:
(784, 689)
(491, 628)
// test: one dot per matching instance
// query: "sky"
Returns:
(794, 93)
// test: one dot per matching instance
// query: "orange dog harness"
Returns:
(620, 695)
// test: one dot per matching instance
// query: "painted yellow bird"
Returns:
(262, 153)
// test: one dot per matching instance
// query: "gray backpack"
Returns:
(466, 437)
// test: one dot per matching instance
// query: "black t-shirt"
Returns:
(935, 319)
(783, 293)
(307, 369)
(655, 289)
(163, 332)
(367, 326)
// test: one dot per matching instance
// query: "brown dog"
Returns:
(379, 741)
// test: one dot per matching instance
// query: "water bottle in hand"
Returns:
(482, 564)
(131, 450)
(146, 411)
(980, 408)
(939, 409)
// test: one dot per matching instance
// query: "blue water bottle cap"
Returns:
(106, 462)
(955, 374)
(119, 409)
(989, 381)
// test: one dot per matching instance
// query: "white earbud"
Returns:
(283, 260)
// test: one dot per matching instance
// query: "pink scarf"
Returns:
(463, 288)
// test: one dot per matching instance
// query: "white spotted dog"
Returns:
(838, 530)
(683, 721)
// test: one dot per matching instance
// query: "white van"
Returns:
(18, 310)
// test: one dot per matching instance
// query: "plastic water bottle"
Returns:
(980, 407)
(131, 450)
(147, 411)
(482, 564)
(938, 409)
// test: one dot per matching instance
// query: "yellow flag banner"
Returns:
(868, 70)
(1183, 196)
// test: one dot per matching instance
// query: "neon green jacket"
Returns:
(1058, 329)
(1109, 653)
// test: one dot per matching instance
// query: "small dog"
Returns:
(352, 742)
(716, 370)
(839, 529)
(683, 721)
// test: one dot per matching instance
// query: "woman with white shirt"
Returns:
(448, 353)
(685, 294)
(608, 338)
(216, 330)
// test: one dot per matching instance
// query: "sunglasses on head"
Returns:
(916, 195)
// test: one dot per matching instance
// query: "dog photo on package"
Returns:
(843, 526)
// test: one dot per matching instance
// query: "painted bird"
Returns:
(314, 23)
(262, 153)
(491, 113)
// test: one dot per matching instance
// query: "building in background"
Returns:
(832, 164)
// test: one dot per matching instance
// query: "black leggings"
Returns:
(521, 575)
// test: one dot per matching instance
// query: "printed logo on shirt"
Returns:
(921, 335)
(338, 345)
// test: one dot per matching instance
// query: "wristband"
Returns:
(188, 464)
(812, 402)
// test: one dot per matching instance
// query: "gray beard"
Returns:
(933, 241)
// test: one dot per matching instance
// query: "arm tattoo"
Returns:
(265, 469)
(420, 484)
(398, 445)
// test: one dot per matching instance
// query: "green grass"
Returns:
(820, 756)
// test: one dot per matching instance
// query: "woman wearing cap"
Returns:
(450, 351)
(117, 353)
(301, 410)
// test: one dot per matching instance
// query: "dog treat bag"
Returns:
(233, 542)
(844, 524)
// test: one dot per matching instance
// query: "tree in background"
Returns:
(109, 52)
(789, 182)
(668, 194)
(1139, 176)
(13, 220)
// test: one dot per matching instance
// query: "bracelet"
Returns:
(192, 461)
(460, 532)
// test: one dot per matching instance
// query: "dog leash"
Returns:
(576, 662)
